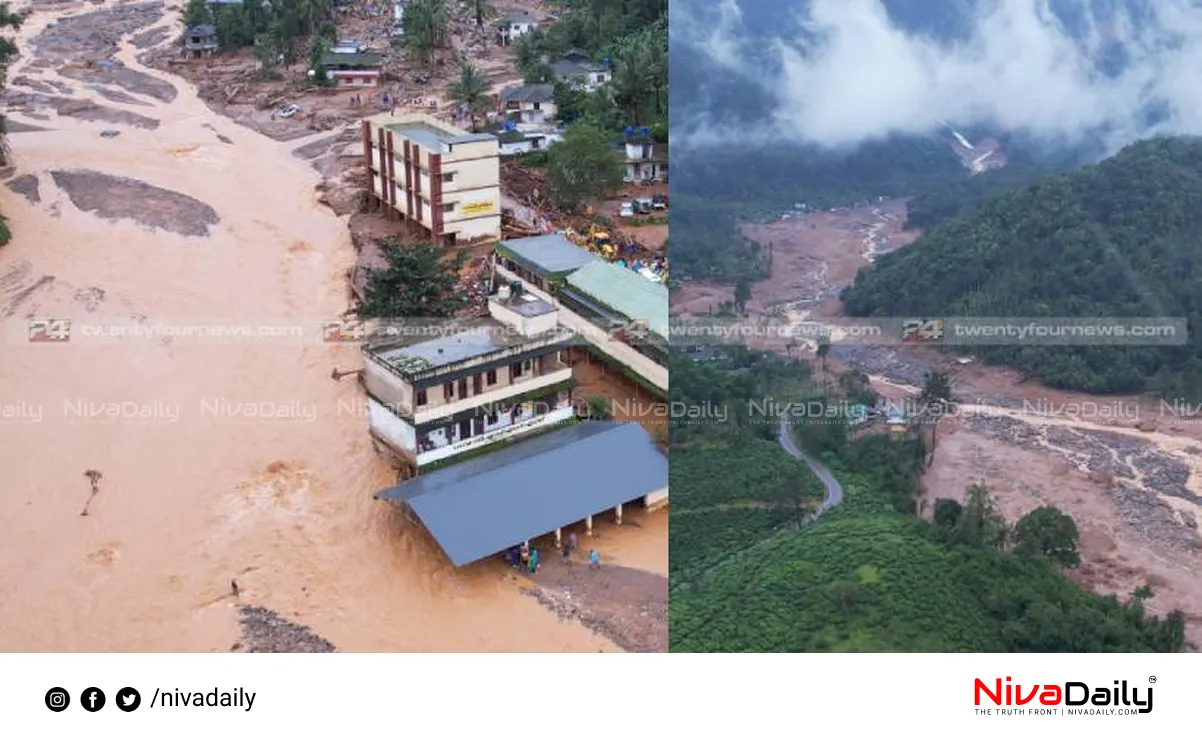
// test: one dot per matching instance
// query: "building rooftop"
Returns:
(548, 254)
(522, 18)
(498, 500)
(541, 93)
(334, 59)
(205, 29)
(527, 305)
(626, 293)
(574, 68)
(463, 340)
(433, 137)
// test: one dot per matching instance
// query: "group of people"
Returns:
(527, 558)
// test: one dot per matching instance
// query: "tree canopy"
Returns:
(1115, 240)
(419, 281)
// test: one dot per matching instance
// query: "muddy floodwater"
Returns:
(235, 458)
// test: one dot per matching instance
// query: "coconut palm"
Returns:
(471, 89)
(425, 26)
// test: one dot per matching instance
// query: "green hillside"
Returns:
(1119, 239)
(748, 576)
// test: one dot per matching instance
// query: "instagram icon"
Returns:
(57, 699)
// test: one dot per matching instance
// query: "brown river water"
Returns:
(188, 500)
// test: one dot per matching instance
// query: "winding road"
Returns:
(834, 491)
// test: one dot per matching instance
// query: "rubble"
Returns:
(264, 631)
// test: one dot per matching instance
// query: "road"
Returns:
(834, 491)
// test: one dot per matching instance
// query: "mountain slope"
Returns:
(1118, 239)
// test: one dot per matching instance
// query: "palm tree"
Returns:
(934, 397)
(482, 10)
(631, 81)
(425, 26)
(471, 89)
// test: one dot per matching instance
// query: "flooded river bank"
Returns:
(199, 485)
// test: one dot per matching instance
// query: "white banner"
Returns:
(604, 698)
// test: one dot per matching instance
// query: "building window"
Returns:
(465, 429)
(527, 364)
(448, 177)
(537, 106)
(492, 418)
(421, 398)
(491, 377)
(448, 390)
(448, 208)
(515, 371)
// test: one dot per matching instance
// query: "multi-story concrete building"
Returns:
(435, 175)
(469, 385)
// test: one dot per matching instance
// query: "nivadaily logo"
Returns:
(1071, 697)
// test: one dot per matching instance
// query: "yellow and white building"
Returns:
(435, 175)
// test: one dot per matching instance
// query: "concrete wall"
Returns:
(389, 428)
(393, 391)
(656, 500)
(521, 427)
(495, 394)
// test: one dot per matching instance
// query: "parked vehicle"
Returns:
(659, 202)
(626, 210)
(287, 112)
(642, 206)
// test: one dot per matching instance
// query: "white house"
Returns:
(644, 160)
(516, 26)
(529, 104)
(578, 71)
(516, 142)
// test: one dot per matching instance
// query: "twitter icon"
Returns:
(128, 699)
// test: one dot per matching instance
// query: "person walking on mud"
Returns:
(573, 543)
(567, 552)
(594, 559)
(534, 560)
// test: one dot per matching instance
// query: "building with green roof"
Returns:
(616, 297)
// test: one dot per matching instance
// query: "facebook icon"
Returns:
(92, 699)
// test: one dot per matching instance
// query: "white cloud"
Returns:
(1018, 69)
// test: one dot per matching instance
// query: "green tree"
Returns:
(419, 281)
(425, 26)
(1050, 532)
(482, 10)
(793, 498)
(197, 13)
(933, 400)
(235, 29)
(598, 408)
(581, 167)
(981, 525)
(823, 350)
(267, 47)
(742, 294)
(948, 513)
(316, 52)
(471, 89)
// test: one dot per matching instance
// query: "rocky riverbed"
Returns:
(1142, 479)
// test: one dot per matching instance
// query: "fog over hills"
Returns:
(838, 73)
